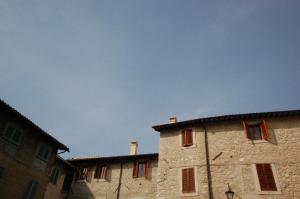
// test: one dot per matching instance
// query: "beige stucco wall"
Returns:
(236, 163)
(131, 188)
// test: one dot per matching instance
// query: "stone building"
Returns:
(56, 187)
(28, 157)
(256, 155)
(118, 177)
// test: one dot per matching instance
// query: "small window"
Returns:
(43, 152)
(101, 172)
(12, 134)
(82, 173)
(266, 177)
(30, 190)
(256, 131)
(187, 137)
(140, 169)
(188, 180)
(54, 175)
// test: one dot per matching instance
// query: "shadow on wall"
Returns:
(80, 190)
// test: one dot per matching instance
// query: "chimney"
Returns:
(133, 148)
(172, 120)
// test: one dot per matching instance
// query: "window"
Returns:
(256, 131)
(12, 134)
(266, 177)
(140, 169)
(43, 152)
(82, 173)
(54, 175)
(30, 190)
(187, 137)
(188, 180)
(101, 172)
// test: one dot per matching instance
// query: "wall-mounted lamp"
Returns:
(229, 193)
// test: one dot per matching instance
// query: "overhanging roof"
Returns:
(5, 106)
(112, 158)
(223, 118)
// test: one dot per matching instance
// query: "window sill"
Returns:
(189, 194)
(189, 147)
(100, 180)
(269, 192)
(257, 141)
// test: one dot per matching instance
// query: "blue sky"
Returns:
(98, 74)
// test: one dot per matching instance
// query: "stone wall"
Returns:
(232, 159)
(130, 188)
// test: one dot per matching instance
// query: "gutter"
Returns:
(210, 193)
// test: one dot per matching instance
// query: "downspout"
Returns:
(210, 193)
(120, 180)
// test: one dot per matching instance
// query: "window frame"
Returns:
(99, 171)
(257, 183)
(252, 137)
(135, 171)
(81, 173)
(180, 139)
(55, 171)
(10, 138)
(30, 190)
(180, 181)
(41, 157)
(263, 129)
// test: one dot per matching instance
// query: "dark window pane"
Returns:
(9, 132)
(30, 190)
(141, 169)
(254, 132)
(16, 137)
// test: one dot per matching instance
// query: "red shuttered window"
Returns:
(101, 171)
(187, 137)
(266, 177)
(256, 131)
(188, 180)
(140, 169)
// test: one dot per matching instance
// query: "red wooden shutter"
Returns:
(189, 137)
(105, 172)
(266, 178)
(134, 171)
(146, 167)
(269, 177)
(261, 177)
(191, 180)
(185, 184)
(183, 138)
(264, 130)
(246, 129)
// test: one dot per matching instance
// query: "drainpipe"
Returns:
(120, 180)
(210, 193)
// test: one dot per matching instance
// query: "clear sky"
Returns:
(98, 74)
